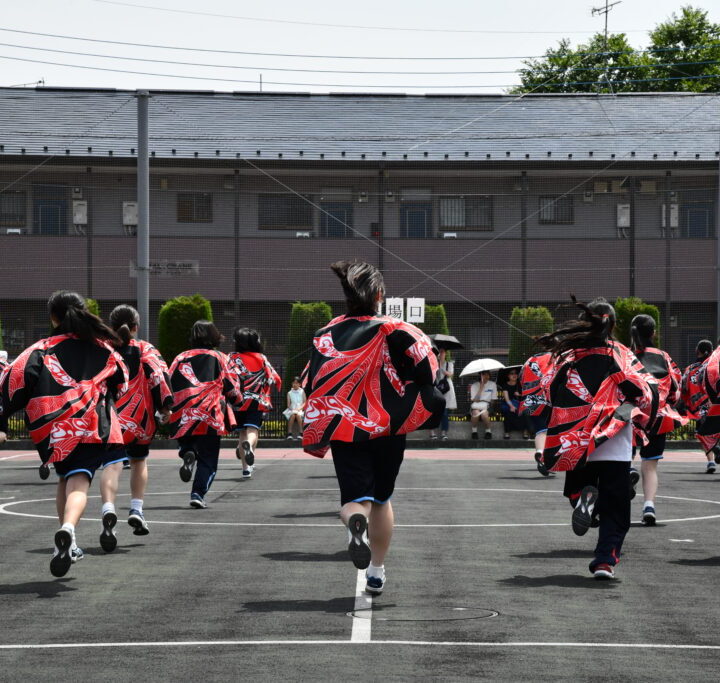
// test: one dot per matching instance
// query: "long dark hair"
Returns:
(362, 283)
(594, 327)
(69, 310)
(704, 349)
(642, 331)
(247, 339)
(204, 335)
(123, 319)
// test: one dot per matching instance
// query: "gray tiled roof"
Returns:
(230, 125)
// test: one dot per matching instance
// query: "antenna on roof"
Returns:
(605, 10)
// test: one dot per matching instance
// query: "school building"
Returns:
(480, 202)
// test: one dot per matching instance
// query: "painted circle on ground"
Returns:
(4, 509)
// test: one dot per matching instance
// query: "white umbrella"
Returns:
(481, 365)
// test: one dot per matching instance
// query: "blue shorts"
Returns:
(87, 459)
(248, 418)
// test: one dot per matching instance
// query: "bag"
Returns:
(443, 385)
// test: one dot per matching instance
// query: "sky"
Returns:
(495, 34)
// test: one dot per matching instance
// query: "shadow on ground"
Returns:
(95, 552)
(42, 589)
(586, 582)
(332, 606)
(297, 515)
(565, 554)
(297, 556)
(700, 562)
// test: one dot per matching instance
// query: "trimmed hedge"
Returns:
(175, 320)
(436, 321)
(530, 322)
(305, 320)
(626, 310)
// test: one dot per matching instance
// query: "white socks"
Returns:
(649, 504)
(474, 430)
(108, 507)
(136, 504)
(374, 572)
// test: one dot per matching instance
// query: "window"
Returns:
(284, 212)
(13, 207)
(194, 207)
(556, 210)
(461, 213)
(336, 219)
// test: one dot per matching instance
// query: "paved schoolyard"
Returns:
(485, 579)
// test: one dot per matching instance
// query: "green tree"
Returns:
(525, 325)
(305, 320)
(175, 320)
(626, 310)
(92, 306)
(436, 321)
(681, 49)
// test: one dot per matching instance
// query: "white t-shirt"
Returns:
(488, 394)
(619, 448)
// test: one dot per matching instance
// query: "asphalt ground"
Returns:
(485, 579)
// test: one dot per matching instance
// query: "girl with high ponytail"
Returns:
(596, 393)
(643, 338)
(149, 394)
(67, 385)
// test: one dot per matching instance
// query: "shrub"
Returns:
(305, 320)
(175, 321)
(435, 320)
(626, 310)
(92, 306)
(527, 323)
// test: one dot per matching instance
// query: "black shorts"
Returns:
(654, 449)
(367, 471)
(138, 451)
(248, 418)
(87, 459)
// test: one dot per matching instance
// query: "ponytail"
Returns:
(362, 283)
(642, 330)
(704, 349)
(70, 312)
(594, 327)
(123, 319)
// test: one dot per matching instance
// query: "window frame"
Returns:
(553, 200)
(468, 226)
(195, 218)
(286, 196)
(19, 220)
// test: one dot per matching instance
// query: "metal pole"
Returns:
(143, 228)
(717, 259)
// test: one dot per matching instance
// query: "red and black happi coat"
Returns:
(534, 372)
(693, 396)
(708, 426)
(659, 364)
(67, 388)
(257, 378)
(593, 394)
(148, 391)
(202, 384)
(369, 376)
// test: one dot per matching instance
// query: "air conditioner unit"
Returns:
(130, 213)
(449, 235)
(14, 231)
(302, 234)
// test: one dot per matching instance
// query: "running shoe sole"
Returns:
(582, 514)
(139, 525)
(108, 540)
(237, 453)
(710, 470)
(649, 518)
(186, 469)
(358, 549)
(249, 455)
(44, 472)
(60, 563)
(198, 504)
(603, 574)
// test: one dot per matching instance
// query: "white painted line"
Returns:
(362, 614)
(408, 643)
(682, 540)
(19, 455)
(8, 498)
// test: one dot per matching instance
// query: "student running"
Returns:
(67, 385)
(533, 403)
(597, 392)
(695, 402)
(256, 378)
(202, 384)
(659, 364)
(709, 426)
(148, 393)
(369, 383)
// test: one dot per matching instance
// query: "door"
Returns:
(416, 219)
(336, 219)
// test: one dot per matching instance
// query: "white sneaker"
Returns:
(375, 584)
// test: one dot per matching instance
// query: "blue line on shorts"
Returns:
(81, 470)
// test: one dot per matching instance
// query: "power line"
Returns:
(330, 71)
(345, 26)
(345, 85)
(350, 57)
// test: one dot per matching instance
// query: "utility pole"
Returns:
(605, 10)
(143, 228)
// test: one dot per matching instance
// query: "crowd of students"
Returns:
(93, 396)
